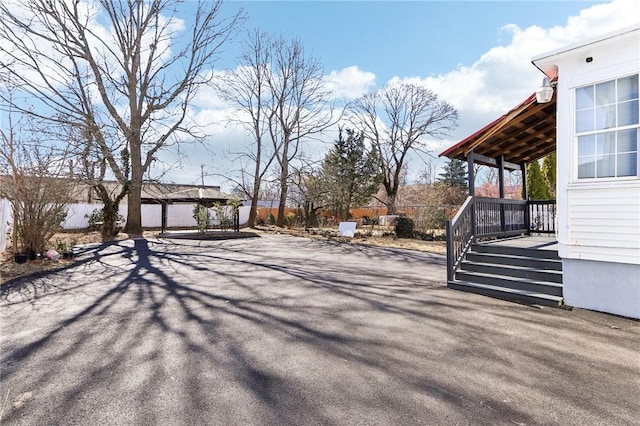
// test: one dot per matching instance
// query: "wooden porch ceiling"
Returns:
(524, 134)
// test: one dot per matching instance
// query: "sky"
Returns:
(476, 55)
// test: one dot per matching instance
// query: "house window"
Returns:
(607, 129)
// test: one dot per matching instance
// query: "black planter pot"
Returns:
(20, 257)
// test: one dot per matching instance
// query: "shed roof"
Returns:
(524, 134)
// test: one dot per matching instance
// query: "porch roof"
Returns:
(524, 134)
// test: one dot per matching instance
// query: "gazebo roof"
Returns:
(524, 134)
(186, 194)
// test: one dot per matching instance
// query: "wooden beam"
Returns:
(500, 161)
(490, 161)
(524, 112)
(523, 169)
(471, 173)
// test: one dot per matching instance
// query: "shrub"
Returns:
(96, 220)
(289, 219)
(404, 227)
(202, 217)
(271, 220)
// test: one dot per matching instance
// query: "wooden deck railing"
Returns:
(460, 235)
(483, 218)
(542, 217)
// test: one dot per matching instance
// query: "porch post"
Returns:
(471, 174)
(525, 197)
(523, 169)
(163, 221)
(500, 163)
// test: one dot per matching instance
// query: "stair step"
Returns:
(514, 260)
(507, 270)
(523, 284)
(514, 251)
(531, 297)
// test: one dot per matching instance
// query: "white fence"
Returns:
(5, 223)
(178, 216)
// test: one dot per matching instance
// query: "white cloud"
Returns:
(504, 76)
(497, 81)
(350, 82)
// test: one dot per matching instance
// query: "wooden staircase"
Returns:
(512, 273)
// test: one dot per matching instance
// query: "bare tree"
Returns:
(128, 65)
(246, 88)
(397, 120)
(32, 179)
(91, 170)
(427, 174)
(300, 107)
(282, 99)
(309, 190)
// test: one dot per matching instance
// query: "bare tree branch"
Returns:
(397, 120)
(137, 74)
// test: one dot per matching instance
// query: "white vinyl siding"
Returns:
(598, 218)
(604, 223)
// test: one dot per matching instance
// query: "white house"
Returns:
(598, 176)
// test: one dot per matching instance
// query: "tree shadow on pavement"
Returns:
(271, 332)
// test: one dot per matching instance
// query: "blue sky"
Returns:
(474, 54)
(403, 38)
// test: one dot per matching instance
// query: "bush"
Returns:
(202, 217)
(39, 210)
(271, 220)
(96, 220)
(290, 219)
(404, 227)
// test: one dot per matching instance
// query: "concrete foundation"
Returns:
(602, 286)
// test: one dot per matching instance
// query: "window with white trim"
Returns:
(607, 128)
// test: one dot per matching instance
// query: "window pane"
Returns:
(606, 166)
(586, 167)
(628, 164)
(628, 88)
(604, 150)
(586, 145)
(605, 117)
(628, 140)
(628, 113)
(606, 143)
(584, 121)
(606, 93)
(584, 97)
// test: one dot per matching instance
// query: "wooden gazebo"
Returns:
(206, 196)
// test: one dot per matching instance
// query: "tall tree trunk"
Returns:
(253, 211)
(391, 203)
(283, 195)
(134, 213)
(284, 183)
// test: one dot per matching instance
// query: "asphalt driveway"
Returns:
(279, 330)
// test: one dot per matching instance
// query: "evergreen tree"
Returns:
(351, 172)
(549, 173)
(536, 187)
(454, 174)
